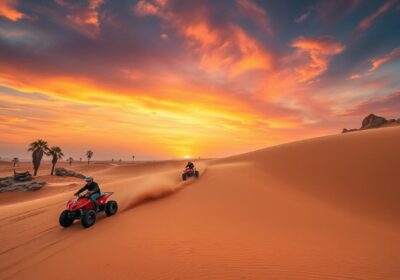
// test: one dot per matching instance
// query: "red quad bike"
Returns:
(82, 208)
(190, 172)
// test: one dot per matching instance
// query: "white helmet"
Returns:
(88, 178)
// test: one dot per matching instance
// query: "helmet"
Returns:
(88, 178)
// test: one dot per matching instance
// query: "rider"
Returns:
(190, 165)
(93, 191)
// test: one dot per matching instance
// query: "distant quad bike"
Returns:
(190, 172)
(82, 208)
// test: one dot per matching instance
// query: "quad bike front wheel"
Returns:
(88, 218)
(184, 176)
(65, 219)
(111, 207)
(196, 174)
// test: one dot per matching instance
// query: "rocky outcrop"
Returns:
(65, 172)
(373, 121)
(23, 176)
(20, 182)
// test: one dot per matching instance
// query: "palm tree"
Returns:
(15, 161)
(133, 158)
(89, 155)
(70, 160)
(57, 154)
(80, 159)
(38, 148)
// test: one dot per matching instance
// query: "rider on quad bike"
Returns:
(93, 191)
(190, 171)
(190, 165)
(85, 206)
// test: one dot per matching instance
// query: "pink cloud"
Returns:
(376, 63)
(314, 55)
(148, 8)
(303, 17)
(368, 21)
(355, 76)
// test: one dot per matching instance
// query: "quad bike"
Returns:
(82, 208)
(190, 172)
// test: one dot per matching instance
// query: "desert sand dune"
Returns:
(324, 208)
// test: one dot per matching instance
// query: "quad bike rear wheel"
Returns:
(196, 174)
(65, 219)
(184, 176)
(88, 218)
(111, 207)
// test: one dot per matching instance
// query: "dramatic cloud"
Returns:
(316, 53)
(168, 78)
(8, 9)
(235, 53)
(221, 48)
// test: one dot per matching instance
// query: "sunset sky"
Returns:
(164, 79)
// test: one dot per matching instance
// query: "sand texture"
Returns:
(324, 208)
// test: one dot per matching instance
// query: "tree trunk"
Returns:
(54, 161)
(36, 158)
(88, 161)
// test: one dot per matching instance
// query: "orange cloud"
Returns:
(145, 8)
(376, 63)
(83, 18)
(9, 11)
(315, 54)
(252, 56)
(368, 21)
(230, 50)
(150, 8)
(201, 33)
(355, 76)
(226, 49)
